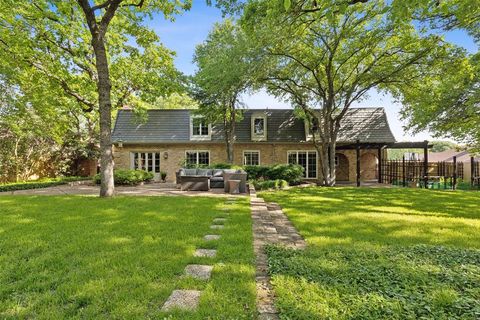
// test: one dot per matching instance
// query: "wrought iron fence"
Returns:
(415, 173)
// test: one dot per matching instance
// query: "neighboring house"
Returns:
(447, 156)
(169, 138)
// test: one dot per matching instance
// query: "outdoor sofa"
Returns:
(204, 179)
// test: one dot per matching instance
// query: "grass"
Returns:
(91, 258)
(379, 254)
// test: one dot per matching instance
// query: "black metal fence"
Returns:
(415, 173)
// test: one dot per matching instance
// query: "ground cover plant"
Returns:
(379, 254)
(92, 258)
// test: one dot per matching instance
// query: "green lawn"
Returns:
(379, 254)
(91, 258)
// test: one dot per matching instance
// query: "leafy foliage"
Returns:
(323, 57)
(128, 177)
(427, 282)
(270, 184)
(291, 173)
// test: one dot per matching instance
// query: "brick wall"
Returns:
(269, 154)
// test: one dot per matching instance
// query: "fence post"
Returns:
(454, 185)
(403, 172)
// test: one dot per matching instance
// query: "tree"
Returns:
(446, 100)
(225, 71)
(324, 56)
(68, 45)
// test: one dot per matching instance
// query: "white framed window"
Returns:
(306, 159)
(251, 157)
(147, 161)
(197, 157)
(259, 127)
(199, 128)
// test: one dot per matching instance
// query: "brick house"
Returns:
(169, 138)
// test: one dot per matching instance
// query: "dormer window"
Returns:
(259, 127)
(199, 128)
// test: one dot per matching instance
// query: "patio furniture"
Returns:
(217, 177)
(195, 183)
(234, 186)
(230, 174)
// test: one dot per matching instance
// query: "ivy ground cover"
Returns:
(379, 254)
(91, 258)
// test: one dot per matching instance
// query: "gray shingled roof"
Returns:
(364, 124)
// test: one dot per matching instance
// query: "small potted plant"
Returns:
(163, 176)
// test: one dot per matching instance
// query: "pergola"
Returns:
(358, 145)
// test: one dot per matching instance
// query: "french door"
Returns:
(147, 161)
(306, 159)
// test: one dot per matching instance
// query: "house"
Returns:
(170, 138)
(447, 156)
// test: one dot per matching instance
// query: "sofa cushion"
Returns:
(204, 172)
(190, 172)
(218, 173)
(216, 178)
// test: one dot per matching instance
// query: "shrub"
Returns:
(37, 184)
(291, 173)
(270, 184)
(163, 175)
(128, 177)
(256, 172)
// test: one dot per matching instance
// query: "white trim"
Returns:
(150, 156)
(306, 170)
(259, 156)
(199, 137)
(256, 137)
(197, 152)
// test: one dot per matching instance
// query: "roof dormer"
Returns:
(199, 128)
(259, 126)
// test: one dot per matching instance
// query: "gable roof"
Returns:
(163, 126)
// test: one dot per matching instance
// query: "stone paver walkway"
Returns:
(182, 299)
(199, 271)
(270, 226)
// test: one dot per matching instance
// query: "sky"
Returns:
(192, 27)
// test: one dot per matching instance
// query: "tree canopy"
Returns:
(325, 56)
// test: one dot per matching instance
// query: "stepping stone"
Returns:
(209, 253)
(199, 271)
(217, 226)
(219, 220)
(182, 299)
(210, 237)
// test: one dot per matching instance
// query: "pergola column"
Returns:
(380, 160)
(357, 148)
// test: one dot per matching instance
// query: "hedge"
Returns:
(38, 184)
(291, 173)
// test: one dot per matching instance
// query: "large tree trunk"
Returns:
(105, 110)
